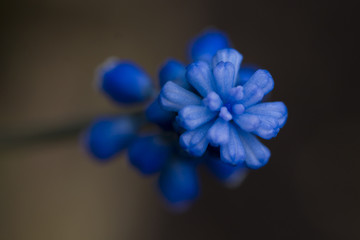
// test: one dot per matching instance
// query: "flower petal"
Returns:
(272, 117)
(224, 78)
(247, 122)
(264, 126)
(193, 116)
(195, 141)
(200, 77)
(232, 152)
(268, 127)
(282, 121)
(257, 154)
(228, 55)
(174, 98)
(219, 132)
(277, 110)
(263, 80)
(252, 95)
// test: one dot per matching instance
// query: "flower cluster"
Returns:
(210, 113)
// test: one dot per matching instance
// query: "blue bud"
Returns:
(125, 82)
(108, 136)
(207, 44)
(149, 154)
(221, 170)
(179, 182)
(174, 71)
(155, 114)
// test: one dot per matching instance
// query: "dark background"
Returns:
(50, 189)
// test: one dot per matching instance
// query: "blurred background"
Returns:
(51, 189)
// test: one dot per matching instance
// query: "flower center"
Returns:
(230, 108)
(225, 114)
(228, 111)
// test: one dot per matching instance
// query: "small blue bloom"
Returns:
(149, 154)
(179, 182)
(124, 81)
(204, 46)
(229, 174)
(108, 136)
(212, 112)
(222, 112)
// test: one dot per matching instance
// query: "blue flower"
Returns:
(223, 113)
(179, 182)
(211, 102)
(124, 82)
(108, 136)
(149, 154)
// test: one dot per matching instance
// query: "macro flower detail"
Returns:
(210, 112)
(223, 113)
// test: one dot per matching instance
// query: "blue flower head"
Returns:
(211, 113)
(222, 112)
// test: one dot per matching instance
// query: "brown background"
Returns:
(50, 189)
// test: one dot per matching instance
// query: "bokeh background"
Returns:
(51, 189)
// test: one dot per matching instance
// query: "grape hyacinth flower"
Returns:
(210, 113)
(221, 112)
